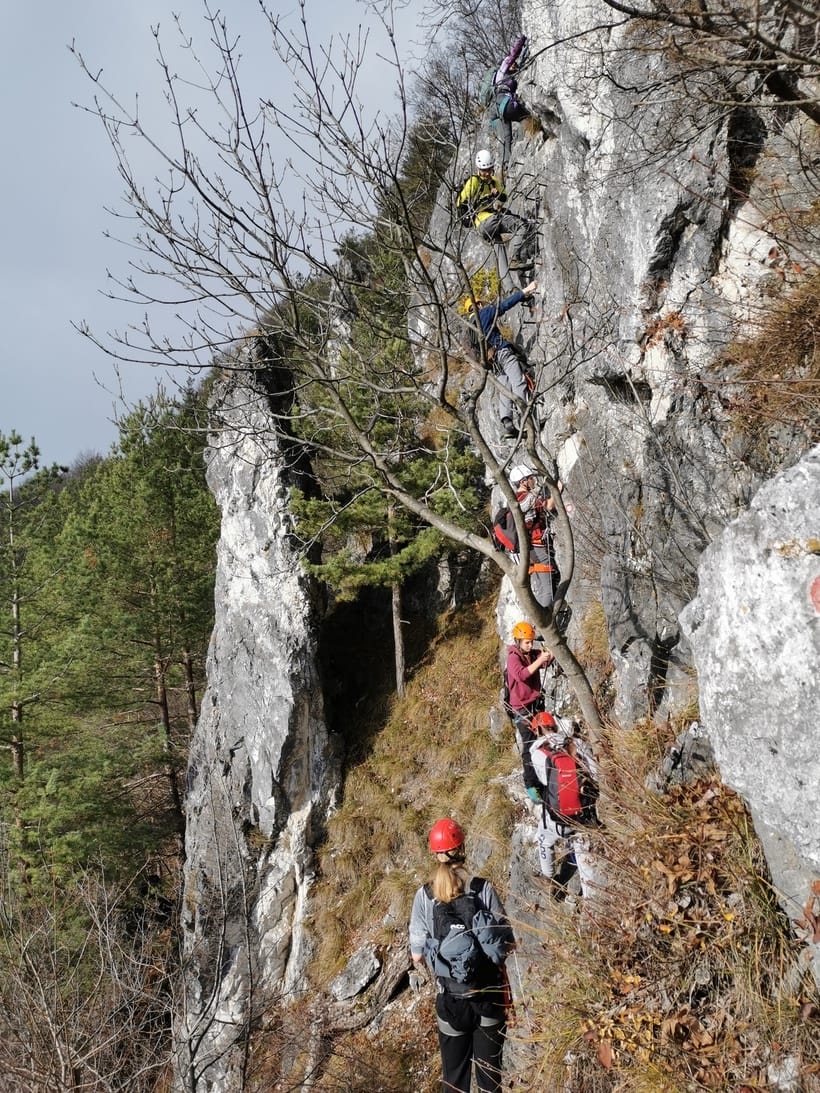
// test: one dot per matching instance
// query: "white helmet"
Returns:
(519, 472)
(483, 159)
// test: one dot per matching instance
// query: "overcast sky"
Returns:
(57, 178)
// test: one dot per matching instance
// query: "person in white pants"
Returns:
(572, 832)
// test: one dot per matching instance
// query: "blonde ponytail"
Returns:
(449, 881)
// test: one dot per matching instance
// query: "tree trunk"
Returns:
(577, 680)
(398, 640)
(398, 634)
(165, 721)
(190, 688)
(17, 742)
(17, 745)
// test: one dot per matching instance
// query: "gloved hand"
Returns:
(418, 977)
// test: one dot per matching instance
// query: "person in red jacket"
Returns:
(523, 671)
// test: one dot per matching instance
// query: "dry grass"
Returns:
(776, 374)
(686, 975)
(593, 653)
(402, 1060)
(434, 757)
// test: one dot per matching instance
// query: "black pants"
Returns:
(484, 1046)
(522, 720)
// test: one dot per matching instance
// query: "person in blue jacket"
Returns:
(505, 358)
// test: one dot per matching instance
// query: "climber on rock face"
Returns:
(507, 360)
(567, 773)
(508, 106)
(483, 197)
(523, 670)
(537, 509)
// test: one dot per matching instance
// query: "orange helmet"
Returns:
(445, 835)
(522, 631)
(543, 721)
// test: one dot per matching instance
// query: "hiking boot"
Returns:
(508, 430)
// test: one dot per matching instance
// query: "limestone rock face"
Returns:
(261, 774)
(652, 258)
(755, 632)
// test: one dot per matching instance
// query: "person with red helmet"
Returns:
(523, 670)
(472, 1023)
(566, 768)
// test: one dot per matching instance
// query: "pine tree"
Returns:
(144, 537)
(25, 588)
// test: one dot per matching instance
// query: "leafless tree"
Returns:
(762, 51)
(465, 40)
(85, 990)
(363, 358)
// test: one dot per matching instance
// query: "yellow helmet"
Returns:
(522, 631)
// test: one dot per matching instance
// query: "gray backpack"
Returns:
(469, 943)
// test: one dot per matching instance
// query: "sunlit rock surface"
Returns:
(755, 631)
(652, 258)
(261, 773)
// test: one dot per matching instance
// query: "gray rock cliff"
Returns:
(652, 258)
(755, 631)
(261, 773)
(651, 261)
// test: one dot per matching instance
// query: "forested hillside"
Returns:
(107, 608)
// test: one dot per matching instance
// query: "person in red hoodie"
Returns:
(523, 672)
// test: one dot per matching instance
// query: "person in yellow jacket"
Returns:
(483, 197)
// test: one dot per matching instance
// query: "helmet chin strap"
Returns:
(455, 855)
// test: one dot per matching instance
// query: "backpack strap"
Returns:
(561, 825)
(476, 886)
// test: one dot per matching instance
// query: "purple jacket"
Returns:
(524, 688)
(503, 83)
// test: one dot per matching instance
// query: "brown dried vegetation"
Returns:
(775, 374)
(433, 758)
(685, 975)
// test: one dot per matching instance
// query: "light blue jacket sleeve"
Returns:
(421, 922)
(491, 900)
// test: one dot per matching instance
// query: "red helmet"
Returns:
(445, 835)
(543, 721)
